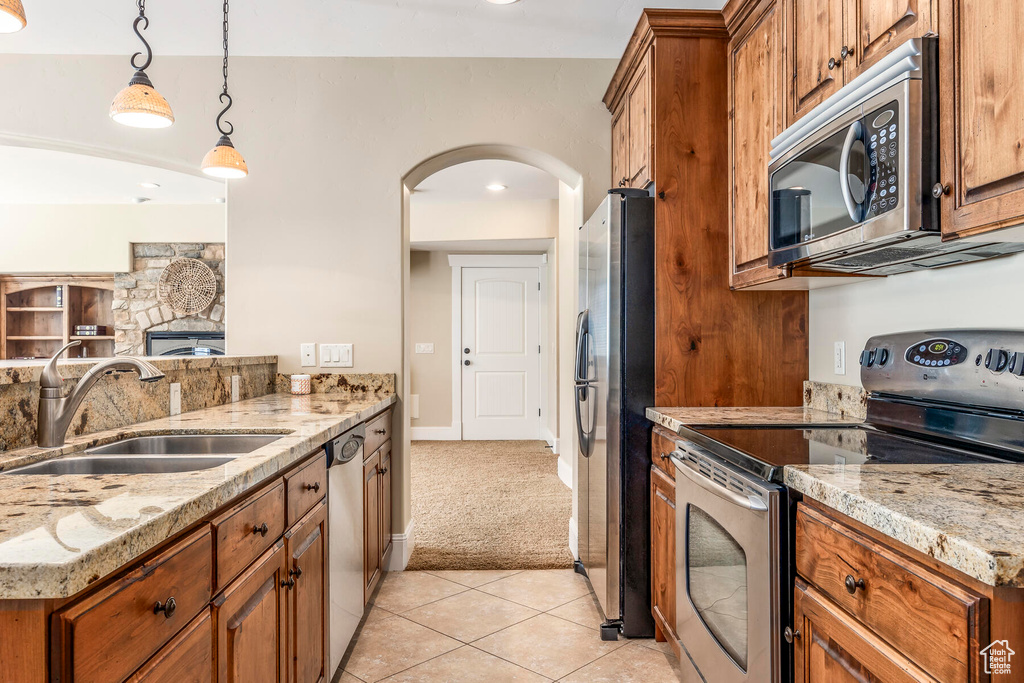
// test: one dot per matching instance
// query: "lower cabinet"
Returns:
(376, 502)
(187, 658)
(663, 556)
(306, 545)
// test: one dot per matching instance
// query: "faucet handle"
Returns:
(51, 378)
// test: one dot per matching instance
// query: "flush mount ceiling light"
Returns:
(224, 161)
(497, 187)
(12, 16)
(140, 105)
(502, 2)
(149, 185)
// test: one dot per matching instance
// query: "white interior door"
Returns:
(500, 353)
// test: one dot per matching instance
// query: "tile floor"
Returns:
(467, 626)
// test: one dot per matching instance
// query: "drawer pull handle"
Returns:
(790, 635)
(289, 584)
(314, 487)
(382, 432)
(853, 584)
(262, 529)
(297, 572)
(168, 608)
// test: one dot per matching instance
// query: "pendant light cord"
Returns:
(144, 20)
(224, 94)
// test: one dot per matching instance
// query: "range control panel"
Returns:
(974, 367)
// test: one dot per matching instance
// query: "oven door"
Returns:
(727, 569)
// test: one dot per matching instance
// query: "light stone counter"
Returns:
(970, 517)
(59, 534)
(675, 418)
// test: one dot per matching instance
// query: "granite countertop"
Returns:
(969, 517)
(59, 534)
(25, 371)
(675, 418)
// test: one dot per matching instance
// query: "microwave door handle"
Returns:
(747, 502)
(852, 135)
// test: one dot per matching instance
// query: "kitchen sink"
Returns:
(166, 453)
(187, 444)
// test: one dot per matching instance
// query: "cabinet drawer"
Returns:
(246, 530)
(378, 430)
(187, 658)
(931, 620)
(663, 443)
(111, 633)
(306, 486)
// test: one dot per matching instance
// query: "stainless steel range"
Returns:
(936, 396)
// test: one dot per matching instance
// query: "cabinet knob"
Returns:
(622, 182)
(297, 572)
(790, 635)
(938, 190)
(262, 529)
(382, 471)
(168, 608)
(382, 432)
(289, 584)
(853, 584)
(845, 52)
(314, 487)
(834, 63)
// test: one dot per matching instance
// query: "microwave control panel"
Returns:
(883, 152)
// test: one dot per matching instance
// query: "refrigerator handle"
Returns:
(580, 434)
(582, 330)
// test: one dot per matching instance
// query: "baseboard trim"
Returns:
(574, 539)
(453, 433)
(565, 471)
(401, 548)
(552, 442)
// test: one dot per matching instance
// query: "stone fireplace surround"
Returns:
(137, 309)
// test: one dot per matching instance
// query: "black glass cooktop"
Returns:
(766, 450)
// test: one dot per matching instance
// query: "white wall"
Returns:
(974, 295)
(430, 321)
(491, 220)
(315, 232)
(96, 238)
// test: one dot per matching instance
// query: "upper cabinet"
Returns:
(876, 26)
(981, 115)
(631, 130)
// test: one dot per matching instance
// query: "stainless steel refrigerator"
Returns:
(614, 384)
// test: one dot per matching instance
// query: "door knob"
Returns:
(466, 362)
(465, 350)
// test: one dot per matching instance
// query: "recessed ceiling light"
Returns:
(502, 2)
(140, 200)
(497, 187)
(220, 200)
(149, 185)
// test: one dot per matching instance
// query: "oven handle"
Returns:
(748, 502)
(855, 133)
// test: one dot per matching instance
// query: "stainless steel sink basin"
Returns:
(187, 444)
(135, 464)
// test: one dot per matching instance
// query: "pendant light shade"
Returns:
(140, 105)
(224, 161)
(12, 16)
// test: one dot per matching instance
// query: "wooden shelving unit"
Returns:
(39, 313)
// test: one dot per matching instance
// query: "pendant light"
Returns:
(12, 16)
(224, 161)
(140, 105)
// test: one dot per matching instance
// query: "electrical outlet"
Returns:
(175, 399)
(307, 352)
(424, 348)
(839, 358)
(236, 381)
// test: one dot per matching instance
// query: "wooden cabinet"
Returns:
(873, 27)
(981, 115)
(385, 504)
(663, 557)
(632, 143)
(247, 529)
(376, 502)
(187, 658)
(620, 147)
(306, 546)
(249, 618)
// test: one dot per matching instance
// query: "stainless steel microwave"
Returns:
(853, 183)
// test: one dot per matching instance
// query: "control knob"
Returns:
(996, 360)
(883, 357)
(1017, 363)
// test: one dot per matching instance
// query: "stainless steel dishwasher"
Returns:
(345, 539)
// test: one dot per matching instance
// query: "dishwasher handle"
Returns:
(748, 502)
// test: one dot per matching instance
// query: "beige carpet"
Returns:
(488, 505)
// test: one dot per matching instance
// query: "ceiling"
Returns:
(361, 28)
(468, 183)
(40, 176)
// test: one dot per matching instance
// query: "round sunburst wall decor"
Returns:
(187, 285)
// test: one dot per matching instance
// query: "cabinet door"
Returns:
(638, 103)
(663, 556)
(875, 27)
(385, 505)
(371, 523)
(306, 545)
(187, 658)
(832, 647)
(813, 36)
(620, 146)
(981, 115)
(250, 618)
(755, 69)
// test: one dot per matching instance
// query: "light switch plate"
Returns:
(346, 355)
(236, 381)
(839, 358)
(175, 399)
(424, 348)
(307, 352)
(335, 355)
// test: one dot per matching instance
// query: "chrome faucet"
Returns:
(56, 410)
